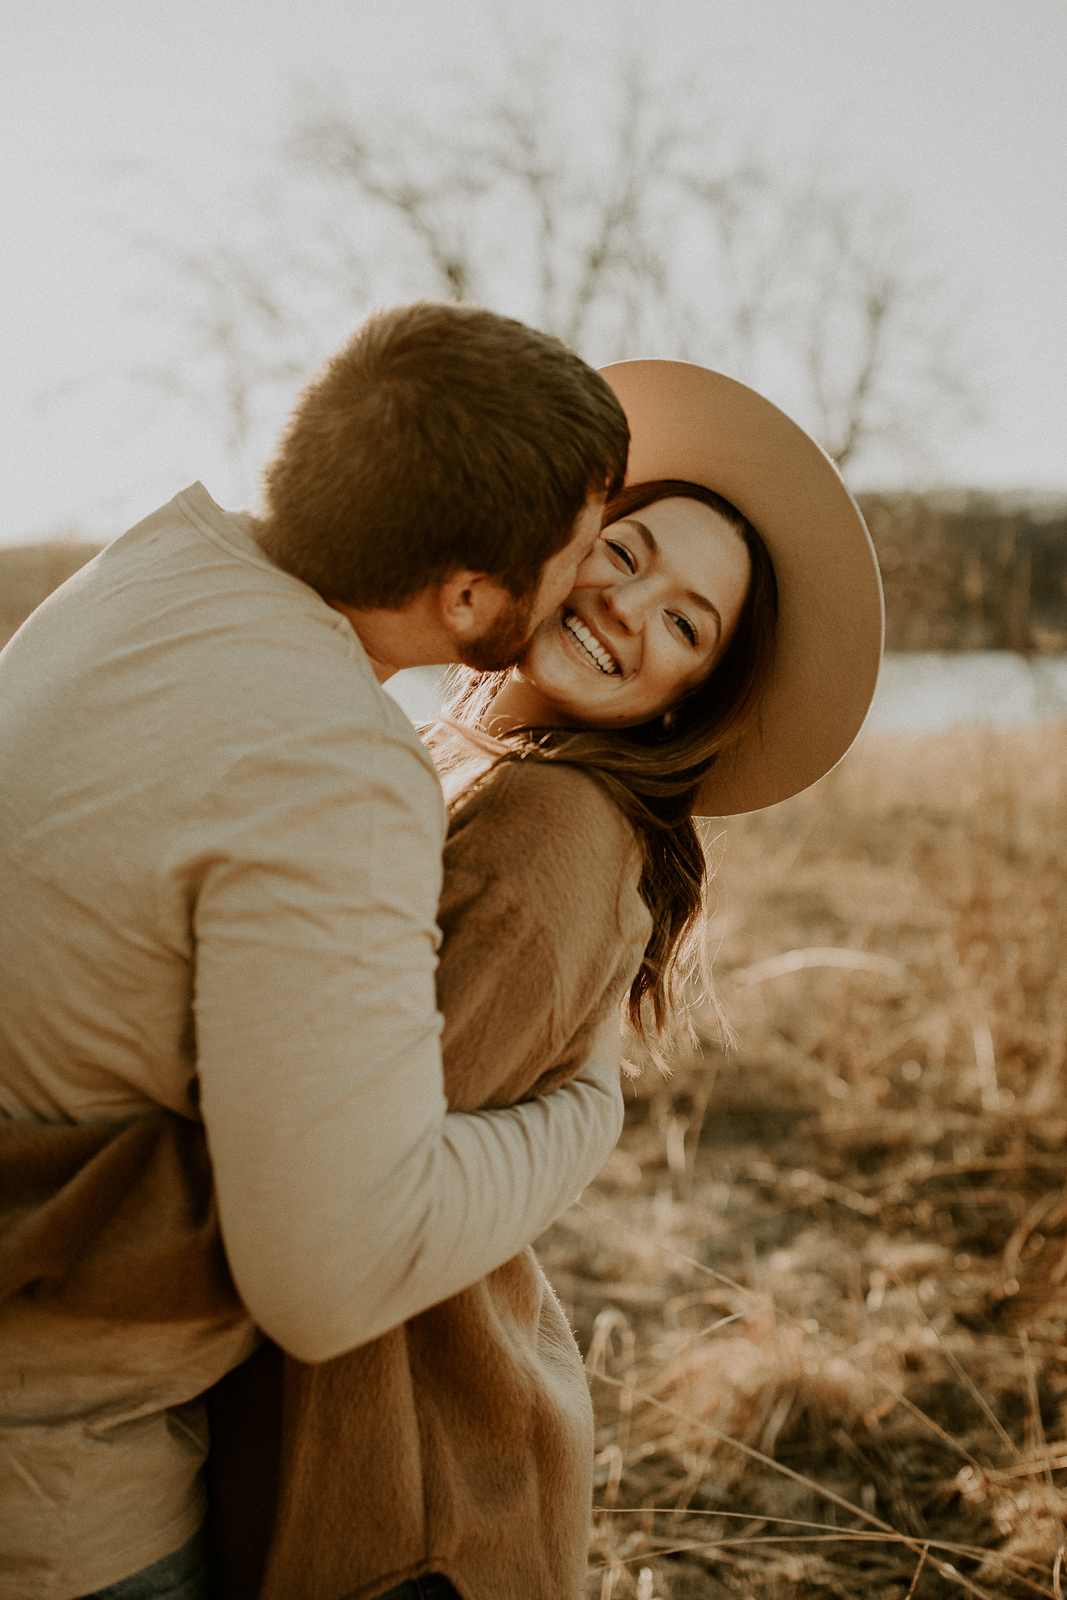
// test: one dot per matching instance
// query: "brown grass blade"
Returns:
(798, 1322)
(961, 1372)
(918, 1569)
(755, 1455)
(844, 1536)
(1035, 1408)
(971, 1552)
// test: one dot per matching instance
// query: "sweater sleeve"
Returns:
(543, 929)
(350, 1197)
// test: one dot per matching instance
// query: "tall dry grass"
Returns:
(822, 1285)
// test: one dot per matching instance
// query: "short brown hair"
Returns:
(439, 437)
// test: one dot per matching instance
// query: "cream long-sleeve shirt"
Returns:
(220, 862)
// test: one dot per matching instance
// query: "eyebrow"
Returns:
(648, 539)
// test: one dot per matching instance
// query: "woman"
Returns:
(660, 656)
(718, 654)
(699, 665)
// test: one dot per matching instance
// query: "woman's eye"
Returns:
(621, 551)
(686, 629)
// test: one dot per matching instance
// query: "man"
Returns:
(220, 849)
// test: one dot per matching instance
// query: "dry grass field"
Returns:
(822, 1285)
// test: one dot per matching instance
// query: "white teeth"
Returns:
(590, 644)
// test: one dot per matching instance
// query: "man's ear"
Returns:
(468, 603)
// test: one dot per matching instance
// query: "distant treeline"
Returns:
(965, 571)
(971, 571)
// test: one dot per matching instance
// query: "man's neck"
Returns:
(393, 640)
(412, 635)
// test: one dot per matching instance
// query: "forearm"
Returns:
(470, 1192)
(517, 1170)
(349, 1198)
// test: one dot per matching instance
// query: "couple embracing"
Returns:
(367, 1036)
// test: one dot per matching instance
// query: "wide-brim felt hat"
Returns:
(691, 423)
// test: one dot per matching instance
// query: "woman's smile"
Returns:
(589, 648)
(654, 607)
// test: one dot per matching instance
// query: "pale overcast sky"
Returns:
(958, 105)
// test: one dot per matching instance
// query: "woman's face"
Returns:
(654, 607)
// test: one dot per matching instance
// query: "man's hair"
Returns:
(439, 438)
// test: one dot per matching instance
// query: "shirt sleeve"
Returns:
(350, 1198)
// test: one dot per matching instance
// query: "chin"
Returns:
(603, 721)
(578, 698)
(545, 662)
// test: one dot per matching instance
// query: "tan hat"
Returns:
(688, 422)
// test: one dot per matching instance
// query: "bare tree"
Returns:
(882, 348)
(825, 299)
(246, 297)
(502, 211)
(636, 234)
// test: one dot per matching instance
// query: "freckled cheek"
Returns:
(663, 677)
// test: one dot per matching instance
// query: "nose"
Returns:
(622, 604)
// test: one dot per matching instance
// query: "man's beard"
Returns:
(501, 645)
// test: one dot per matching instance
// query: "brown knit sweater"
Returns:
(462, 1441)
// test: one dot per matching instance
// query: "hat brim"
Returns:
(691, 423)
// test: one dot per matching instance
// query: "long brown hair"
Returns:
(653, 771)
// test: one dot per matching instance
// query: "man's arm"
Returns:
(350, 1199)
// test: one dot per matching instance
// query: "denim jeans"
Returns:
(183, 1576)
(179, 1576)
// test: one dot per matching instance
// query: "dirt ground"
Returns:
(822, 1284)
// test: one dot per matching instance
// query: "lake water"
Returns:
(917, 693)
(928, 691)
